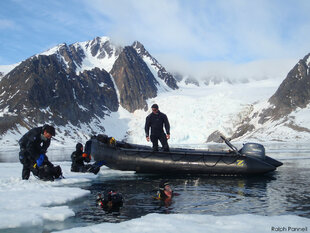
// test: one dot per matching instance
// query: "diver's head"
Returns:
(115, 197)
(165, 189)
(79, 147)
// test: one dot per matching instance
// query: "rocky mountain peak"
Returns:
(161, 71)
(140, 49)
(294, 92)
(101, 47)
(134, 80)
(99, 52)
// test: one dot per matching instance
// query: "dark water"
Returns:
(284, 192)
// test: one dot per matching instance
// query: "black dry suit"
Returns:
(156, 122)
(78, 161)
(32, 145)
(111, 201)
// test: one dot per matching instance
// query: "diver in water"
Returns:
(78, 158)
(165, 193)
(111, 201)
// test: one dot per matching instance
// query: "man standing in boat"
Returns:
(156, 121)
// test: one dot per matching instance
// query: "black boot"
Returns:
(93, 169)
(25, 173)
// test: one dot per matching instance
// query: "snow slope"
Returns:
(293, 128)
(195, 112)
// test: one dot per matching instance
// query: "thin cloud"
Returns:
(7, 24)
(220, 30)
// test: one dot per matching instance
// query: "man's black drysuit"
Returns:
(78, 161)
(156, 122)
(32, 145)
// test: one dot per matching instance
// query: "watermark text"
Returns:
(288, 229)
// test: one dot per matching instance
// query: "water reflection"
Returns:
(197, 195)
(290, 192)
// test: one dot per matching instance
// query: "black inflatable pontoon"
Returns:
(251, 159)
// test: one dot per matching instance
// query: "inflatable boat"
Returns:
(249, 160)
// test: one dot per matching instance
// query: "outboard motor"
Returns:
(253, 149)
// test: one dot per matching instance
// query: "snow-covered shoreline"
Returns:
(30, 202)
(180, 223)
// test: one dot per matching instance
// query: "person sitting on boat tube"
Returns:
(78, 158)
(156, 121)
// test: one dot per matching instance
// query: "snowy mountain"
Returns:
(81, 56)
(70, 86)
(285, 116)
(98, 87)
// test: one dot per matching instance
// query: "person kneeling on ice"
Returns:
(33, 148)
(78, 158)
(112, 201)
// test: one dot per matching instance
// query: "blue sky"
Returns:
(235, 31)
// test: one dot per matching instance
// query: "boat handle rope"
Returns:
(205, 163)
(199, 157)
(219, 159)
(229, 163)
(181, 157)
(148, 154)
